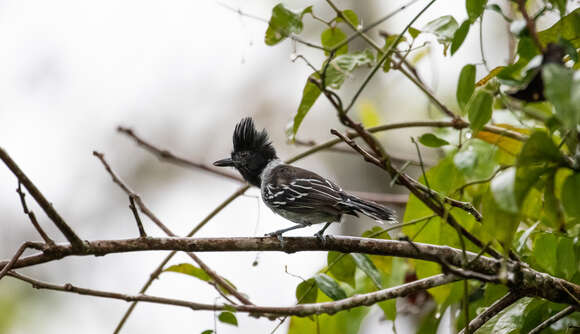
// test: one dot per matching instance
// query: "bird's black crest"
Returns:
(247, 138)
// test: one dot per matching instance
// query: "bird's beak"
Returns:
(227, 162)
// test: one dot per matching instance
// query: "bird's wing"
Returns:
(302, 191)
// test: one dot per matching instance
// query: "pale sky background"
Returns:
(181, 74)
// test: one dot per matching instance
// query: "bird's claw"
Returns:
(278, 236)
(320, 237)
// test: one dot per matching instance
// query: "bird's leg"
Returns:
(278, 234)
(319, 234)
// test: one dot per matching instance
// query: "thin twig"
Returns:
(255, 17)
(466, 206)
(32, 216)
(500, 305)
(530, 24)
(301, 310)
(486, 180)
(447, 268)
(384, 57)
(548, 322)
(408, 182)
(345, 150)
(133, 208)
(17, 255)
(135, 197)
(69, 234)
(172, 157)
(132, 195)
(483, 59)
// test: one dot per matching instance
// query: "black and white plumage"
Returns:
(294, 193)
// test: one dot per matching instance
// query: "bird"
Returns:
(299, 195)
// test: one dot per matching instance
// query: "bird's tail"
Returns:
(370, 209)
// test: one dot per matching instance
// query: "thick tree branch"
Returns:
(301, 310)
(524, 279)
(70, 235)
(499, 305)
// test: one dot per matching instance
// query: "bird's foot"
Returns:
(278, 235)
(321, 237)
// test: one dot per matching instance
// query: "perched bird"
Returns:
(294, 193)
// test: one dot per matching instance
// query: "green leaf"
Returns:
(465, 85)
(329, 286)
(344, 322)
(545, 247)
(414, 32)
(331, 37)
(524, 237)
(479, 109)
(306, 292)
(342, 267)
(208, 331)
(527, 48)
(571, 195)
(228, 318)
(498, 224)
(282, 23)
(562, 88)
(431, 140)
(539, 148)
(475, 8)
(368, 267)
(443, 28)
(351, 17)
(341, 66)
(568, 28)
(502, 187)
(309, 95)
(509, 320)
(476, 159)
(368, 114)
(526, 178)
(459, 36)
(566, 258)
(552, 206)
(189, 269)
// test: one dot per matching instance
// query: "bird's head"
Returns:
(252, 151)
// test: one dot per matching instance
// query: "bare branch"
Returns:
(32, 216)
(255, 17)
(142, 233)
(466, 206)
(167, 155)
(530, 24)
(526, 279)
(548, 322)
(70, 235)
(386, 55)
(500, 305)
(18, 254)
(220, 281)
(301, 310)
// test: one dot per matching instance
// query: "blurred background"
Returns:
(181, 74)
